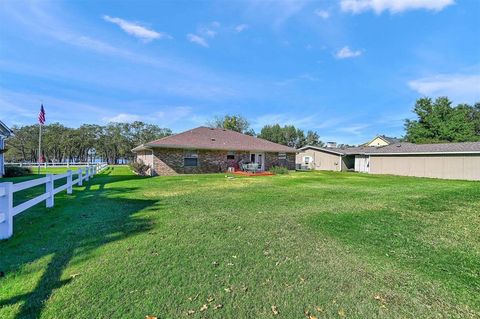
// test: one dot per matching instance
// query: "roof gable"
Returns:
(4, 130)
(217, 139)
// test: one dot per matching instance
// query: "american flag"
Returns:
(41, 115)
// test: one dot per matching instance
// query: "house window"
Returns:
(190, 159)
(282, 156)
(307, 159)
(230, 155)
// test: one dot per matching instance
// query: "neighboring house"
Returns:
(448, 160)
(211, 150)
(4, 133)
(382, 140)
(328, 158)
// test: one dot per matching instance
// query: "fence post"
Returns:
(6, 207)
(87, 175)
(49, 187)
(69, 182)
(80, 177)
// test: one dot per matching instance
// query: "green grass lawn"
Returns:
(331, 244)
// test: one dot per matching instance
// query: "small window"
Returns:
(282, 156)
(231, 155)
(190, 158)
(307, 159)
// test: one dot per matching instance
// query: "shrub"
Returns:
(139, 167)
(16, 171)
(278, 170)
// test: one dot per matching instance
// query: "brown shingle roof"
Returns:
(467, 147)
(216, 139)
(399, 148)
(340, 151)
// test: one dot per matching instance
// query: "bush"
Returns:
(16, 171)
(139, 167)
(278, 170)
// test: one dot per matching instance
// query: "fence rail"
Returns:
(50, 164)
(8, 189)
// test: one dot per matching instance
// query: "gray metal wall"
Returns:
(436, 166)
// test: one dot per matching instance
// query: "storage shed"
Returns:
(448, 160)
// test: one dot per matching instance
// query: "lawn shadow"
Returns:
(78, 224)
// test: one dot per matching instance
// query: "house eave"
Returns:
(218, 148)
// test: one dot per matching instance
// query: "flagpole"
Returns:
(39, 146)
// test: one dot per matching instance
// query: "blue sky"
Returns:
(348, 69)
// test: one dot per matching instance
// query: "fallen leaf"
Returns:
(312, 317)
(319, 309)
(228, 289)
(210, 299)
(219, 306)
(275, 310)
(74, 275)
(341, 313)
(151, 317)
(190, 312)
(204, 307)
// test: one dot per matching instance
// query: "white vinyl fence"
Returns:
(7, 189)
(49, 164)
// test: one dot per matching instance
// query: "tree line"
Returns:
(112, 142)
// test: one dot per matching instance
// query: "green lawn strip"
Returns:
(332, 244)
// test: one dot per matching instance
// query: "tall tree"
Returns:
(232, 122)
(438, 121)
(288, 135)
(313, 139)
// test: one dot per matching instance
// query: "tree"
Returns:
(438, 121)
(313, 139)
(232, 122)
(288, 135)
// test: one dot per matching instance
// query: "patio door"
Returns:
(258, 158)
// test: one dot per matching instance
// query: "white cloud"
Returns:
(346, 52)
(461, 88)
(123, 118)
(324, 14)
(355, 129)
(197, 39)
(394, 6)
(241, 27)
(137, 30)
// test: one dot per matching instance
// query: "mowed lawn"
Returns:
(320, 244)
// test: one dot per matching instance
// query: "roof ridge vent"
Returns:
(213, 139)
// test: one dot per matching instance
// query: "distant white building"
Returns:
(4, 133)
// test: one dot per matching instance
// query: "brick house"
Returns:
(211, 150)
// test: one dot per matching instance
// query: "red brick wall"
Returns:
(171, 161)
